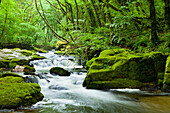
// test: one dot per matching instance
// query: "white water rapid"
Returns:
(66, 94)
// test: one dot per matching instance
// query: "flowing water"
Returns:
(66, 94)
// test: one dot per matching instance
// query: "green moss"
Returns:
(113, 52)
(40, 50)
(36, 57)
(26, 52)
(88, 64)
(10, 74)
(29, 69)
(60, 52)
(167, 70)
(114, 84)
(12, 65)
(4, 63)
(11, 79)
(0, 74)
(20, 61)
(159, 60)
(18, 94)
(160, 76)
(121, 64)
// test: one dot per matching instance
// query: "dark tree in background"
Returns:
(167, 13)
(154, 36)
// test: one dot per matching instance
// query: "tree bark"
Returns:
(77, 15)
(167, 13)
(97, 15)
(154, 36)
(3, 29)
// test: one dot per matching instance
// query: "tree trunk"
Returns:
(167, 13)
(3, 29)
(97, 15)
(154, 36)
(77, 15)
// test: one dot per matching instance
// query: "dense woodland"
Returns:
(87, 26)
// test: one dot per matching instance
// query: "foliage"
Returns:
(88, 26)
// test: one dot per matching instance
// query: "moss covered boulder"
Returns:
(29, 70)
(14, 92)
(26, 52)
(36, 57)
(4, 63)
(10, 74)
(59, 71)
(166, 81)
(115, 67)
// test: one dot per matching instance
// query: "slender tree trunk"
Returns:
(77, 15)
(3, 29)
(110, 20)
(90, 13)
(97, 15)
(167, 13)
(71, 11)
(154, 36)
(29, 16)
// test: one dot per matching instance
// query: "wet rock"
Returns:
(59, 71)
(56, 87)
(31, 79)
(18, 68)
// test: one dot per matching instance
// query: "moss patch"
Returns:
(20, 61)
(124, 64)
(15, 93)
(36, 57)
(166, 81)
(26, 52)
(114, 84)
(10, 74)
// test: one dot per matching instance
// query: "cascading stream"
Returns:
(66, 94)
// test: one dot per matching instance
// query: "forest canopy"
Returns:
(86, 24)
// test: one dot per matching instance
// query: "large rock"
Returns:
(121, 68)
(59, 71)
(14, 92)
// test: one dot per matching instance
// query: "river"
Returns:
(66, 94)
